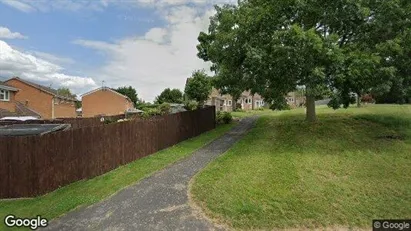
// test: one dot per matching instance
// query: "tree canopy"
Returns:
(198, 87)
(341, 46)
(170, 96)
(66, 92)
(130, 92)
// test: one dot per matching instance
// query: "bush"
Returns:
(239, 110)
(190, 105)
(224, 118)
(108, 120)
(164, 108)
(151, 112)
(261, 108)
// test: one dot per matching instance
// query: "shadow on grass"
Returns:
(343, 171)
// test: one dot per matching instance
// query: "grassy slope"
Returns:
(87, 192)
(336, 173)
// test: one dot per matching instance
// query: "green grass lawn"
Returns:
(87, 192)
(351, 167)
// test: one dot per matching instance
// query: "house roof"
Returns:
(107, 89)
(5, 113)
(5, 86)
(48, 90)
(21, 109)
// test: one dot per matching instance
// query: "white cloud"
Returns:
(98, 5)
(25, 65)
(163, 57)
(19, 5)
(5, 33)
(51, 58)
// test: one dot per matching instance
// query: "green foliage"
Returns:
(273, 47)
(150, 112)
(279, 103)
(224, 117)
(239, 110)
(64, 91)
(198, 87)
(130, 92)
(190, 105)
(339, 99)
(78, 104)
(109, 120)
(164, 108)
(170, 96)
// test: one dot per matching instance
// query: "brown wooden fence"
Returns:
(34, 165)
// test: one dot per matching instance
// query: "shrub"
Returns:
(108, 120)
(151, 112)
(224, 117)
(239, 110)
(164, 108)
(190, 105)
(261, 108)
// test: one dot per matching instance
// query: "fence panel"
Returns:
(34, 165)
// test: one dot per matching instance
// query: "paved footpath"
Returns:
(159, 202)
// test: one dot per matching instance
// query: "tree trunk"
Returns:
(310, 110)
(358, 99)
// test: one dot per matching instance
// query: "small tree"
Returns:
(198, 87)
(170, 96)
(130, 92)
(64, 91)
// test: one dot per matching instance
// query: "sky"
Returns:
(84, 44)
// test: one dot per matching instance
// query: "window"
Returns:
(248, 101)
(4, 95)
(229, 103)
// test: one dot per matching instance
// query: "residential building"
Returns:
(246, 101)
(7, 97)
(105, 101)
(295, 100)
(9, 107)
(41, 100)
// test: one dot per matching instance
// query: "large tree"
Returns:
(170, 96)
(318, 44)
(130, 92)
(227, 65)
(198, 87)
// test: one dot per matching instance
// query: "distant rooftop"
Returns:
(44, 88)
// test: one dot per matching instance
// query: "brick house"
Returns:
(105, 101)
(295, 100)
(7, 98)
(246, 101)
(9, 106)
(44, 101)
